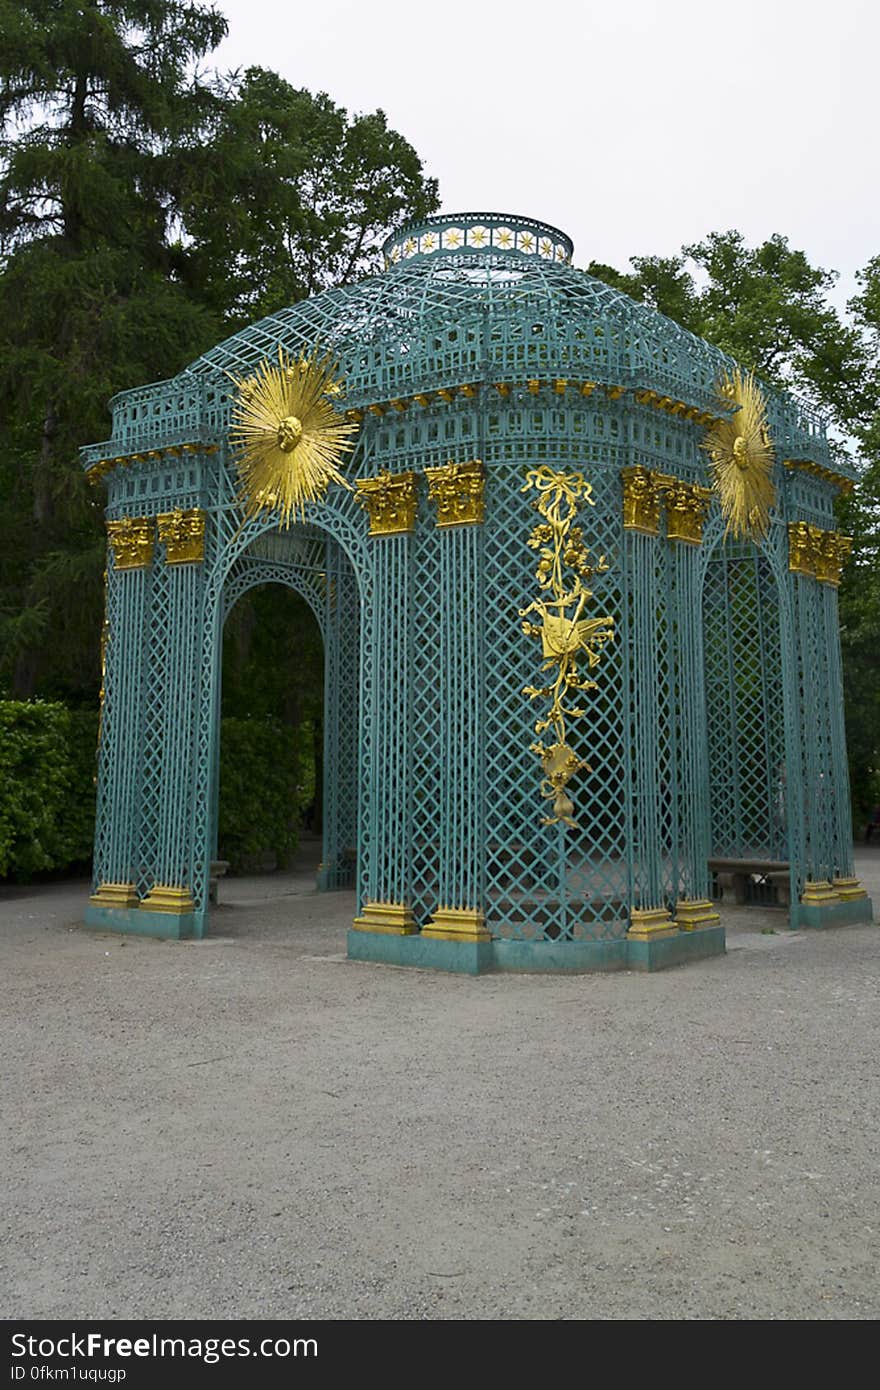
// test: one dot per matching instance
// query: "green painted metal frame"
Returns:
(725, 665)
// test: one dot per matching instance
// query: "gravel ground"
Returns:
(251, 1126)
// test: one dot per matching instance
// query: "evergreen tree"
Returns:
(290, 196)
(144, 210)
(93, 95)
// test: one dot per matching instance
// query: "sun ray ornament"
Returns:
(287, 438)
(741, 459)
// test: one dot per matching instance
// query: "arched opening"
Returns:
(286, 746)
(745, 725)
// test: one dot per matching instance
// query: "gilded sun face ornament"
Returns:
(741, 459)
(287, 438)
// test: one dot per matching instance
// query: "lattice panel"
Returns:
(549, 881)
(428, 753)
(388, 775)
(820, 791)
(106, 862)
(155, 695)
(341, 730)
(745, 706)
(842, 847)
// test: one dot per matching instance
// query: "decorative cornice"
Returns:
(101, 467)
(681, 409)
(457, 488)
(534, 386)
(183, 535)
(827, 475)
(817, 553)
(390, 501)
(131, 540)
(687, 505)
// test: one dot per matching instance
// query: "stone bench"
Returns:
(734, 874)
(218, 871)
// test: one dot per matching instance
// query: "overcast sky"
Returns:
(633, 126)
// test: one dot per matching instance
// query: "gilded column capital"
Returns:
(687, 505)
(817, 553)
(390, 502)
(131, 540)
(641, 500)
(832, 552)
(801, 549)
(183, 535)
(457, 488)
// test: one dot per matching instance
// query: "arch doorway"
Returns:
(314, 567)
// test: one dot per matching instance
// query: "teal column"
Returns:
(694, 908)
(841, 820)
(341, 684)
(178, 650)
(649, 912)
(385, 881)
(817, 784)
(459, 914)
(115, 871)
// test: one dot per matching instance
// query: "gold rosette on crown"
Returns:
(287, 438)
(741, 459)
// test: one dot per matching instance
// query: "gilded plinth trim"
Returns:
(848, 889)
(183, 534)
(817, 553)
(819, 892)
(457, 488)
(388, 919)
(390, 502)
(168, 898)
(650, 923)
(131, 540)
(568, 639)
(691, 914)
(457, 924)
(115, 895)
(687, 505)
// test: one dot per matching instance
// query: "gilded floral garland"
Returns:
(567, 638)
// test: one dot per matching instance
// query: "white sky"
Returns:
(633, 126)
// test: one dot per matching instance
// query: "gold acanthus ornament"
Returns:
(568, 639)
(457, 489)
(183, 534)
(817, 553)
(288, 439)
(132, 539)
(389, 500)
(741, 458)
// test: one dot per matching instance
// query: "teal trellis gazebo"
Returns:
(559, 700)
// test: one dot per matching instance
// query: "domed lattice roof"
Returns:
(465, 301)
(505, 279)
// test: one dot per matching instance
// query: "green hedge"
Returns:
(267, 779)
(47, 787)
